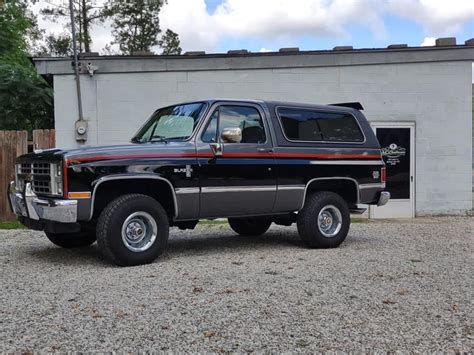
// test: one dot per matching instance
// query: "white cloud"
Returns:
(428, 41)
(278, 20)
(265, 50)
(268, 19)
(438, 17)
(274, 22)
(189, 18)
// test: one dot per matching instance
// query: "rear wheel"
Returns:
(133, 229)
(324, 220)
(250, 226)
(72, 240)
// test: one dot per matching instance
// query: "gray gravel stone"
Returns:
(403, 285)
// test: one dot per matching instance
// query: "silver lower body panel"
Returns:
(28, 204)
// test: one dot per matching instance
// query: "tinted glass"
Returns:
(248, 119)
(395, 144)
(309, 125)
(210, 134)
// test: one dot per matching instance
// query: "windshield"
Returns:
(171, 123)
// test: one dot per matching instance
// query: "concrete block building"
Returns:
(419, 96)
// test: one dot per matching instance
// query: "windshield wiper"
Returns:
(158, 139)
(177, 138)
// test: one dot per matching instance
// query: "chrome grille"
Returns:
(41, 169)
(41, 186)
(38, 173)
(25, 168)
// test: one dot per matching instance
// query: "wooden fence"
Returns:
(44, 139)
(13, 144)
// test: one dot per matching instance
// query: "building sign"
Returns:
(393, 153)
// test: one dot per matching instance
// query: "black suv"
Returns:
(253, 162)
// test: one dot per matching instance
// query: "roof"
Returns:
(342, 107)
(238, 60)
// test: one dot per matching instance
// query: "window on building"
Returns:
(310, 125)
(247, 118)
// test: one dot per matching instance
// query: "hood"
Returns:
(108, 152)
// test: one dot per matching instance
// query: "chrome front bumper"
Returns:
(383, 199)
(27, 204)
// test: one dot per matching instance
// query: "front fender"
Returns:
(98, 182)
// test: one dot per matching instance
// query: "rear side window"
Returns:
(310, 125)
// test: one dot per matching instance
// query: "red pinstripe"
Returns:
(226, 155)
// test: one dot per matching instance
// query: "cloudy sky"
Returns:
(265, 25)
(260, 25)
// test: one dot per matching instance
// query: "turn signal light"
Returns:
(79, 194)
(383, 174)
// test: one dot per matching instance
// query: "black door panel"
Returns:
(242, 181)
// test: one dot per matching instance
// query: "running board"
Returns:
(357, 210)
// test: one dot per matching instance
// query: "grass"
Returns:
(207, 221)
(11, 225)
(359, 220)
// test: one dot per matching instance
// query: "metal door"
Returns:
(397, 140)
(237, 179)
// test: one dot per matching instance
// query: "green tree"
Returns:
(57, 45)
(136, 24)
(14, 25)
(170, 43)
(25, 98)
(86, 14)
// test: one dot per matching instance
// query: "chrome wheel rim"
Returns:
(139, 231)
(329, 221)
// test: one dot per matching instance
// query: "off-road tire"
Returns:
(111, 221)
(307, 221)
(250, 226)
(72, 240)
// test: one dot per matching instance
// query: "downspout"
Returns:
(81, 124)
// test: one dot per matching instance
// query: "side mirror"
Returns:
(231, 135)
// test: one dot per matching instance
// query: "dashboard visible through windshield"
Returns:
(171, 123)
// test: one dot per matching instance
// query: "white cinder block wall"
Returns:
(437, 96)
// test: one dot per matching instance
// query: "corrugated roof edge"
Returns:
(240, 54)
(273, 60)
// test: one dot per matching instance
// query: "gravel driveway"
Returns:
(390, 286)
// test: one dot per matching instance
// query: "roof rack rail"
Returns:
(356, 105)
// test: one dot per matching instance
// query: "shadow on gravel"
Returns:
(188, 245)
(87, 256)
(210, 243)
(214, 243)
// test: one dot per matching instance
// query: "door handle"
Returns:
(265, 150)
(217, 149)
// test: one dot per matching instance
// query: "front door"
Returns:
(239, 178)
(397, 141)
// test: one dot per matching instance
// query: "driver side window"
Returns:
(246, 118)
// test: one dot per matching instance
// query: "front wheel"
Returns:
(250, 226)
(133, 229)
(324, 220)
